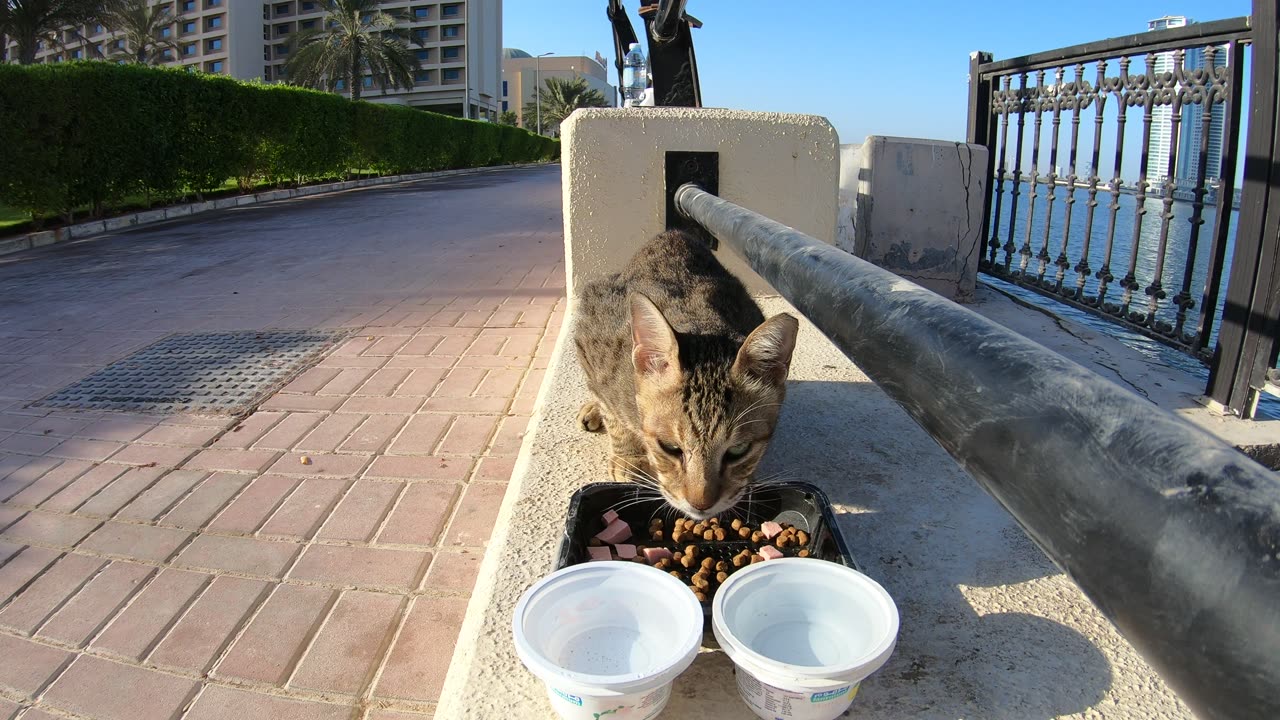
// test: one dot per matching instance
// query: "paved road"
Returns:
(192, 567)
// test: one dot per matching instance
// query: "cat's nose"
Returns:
(702, 504)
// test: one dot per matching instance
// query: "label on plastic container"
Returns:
(778, 704)
(640, 706)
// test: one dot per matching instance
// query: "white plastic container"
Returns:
(803, 634)
(608, 638)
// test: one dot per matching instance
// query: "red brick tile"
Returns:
(304, 510)
(469, 435)
(50, 528)
(54, 425)
(96, 603)
(290, 430)
(346, 382)
(510, 436)
(303, 403)
(243, 555)
(37, 664)
(312, 380)
(47, 593)
(164, 494)
(224, 703)
(521, 346)
(420, 515)
(10, 515)
(416, 668)
(381, 405)
(50, 483)
(118, 429)
(208, 627)
(248, 431)
(420, 345)
(267, 650)
(185, 435)
(474, 318)
(12, 422)
(421, 435)
(461, 382)
(320, 465)
(131, 540)
(121, 491)
(354, 346)
(148, 455)
(24, 566)
(421, 382)
(360, 513)
(249, 511)
(232, 460)
(373, 434)
(81, 449)
(475, 405)
(486, 345)
(330, 433)
(454, 572)
(476, 515)
(29, 444)
(135, 630)
(532, 383)
(420, 467)
(429, 362)
(362, 567)
(83, 488)
(493, 361)
(445, 318)
(204, 502)
(383, 382)
(377, 714)
(385, 346)
(350, 644)
(8, 550)
(106, 690)
(352, 361)
(494, 469)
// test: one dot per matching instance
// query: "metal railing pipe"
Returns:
(1171, 533)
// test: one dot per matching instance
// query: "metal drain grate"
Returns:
(197, 372)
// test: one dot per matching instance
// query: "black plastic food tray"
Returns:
(799, 504)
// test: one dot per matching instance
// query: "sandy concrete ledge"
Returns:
(990, 628)
(80, 231)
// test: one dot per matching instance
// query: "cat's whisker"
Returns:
(757, 404)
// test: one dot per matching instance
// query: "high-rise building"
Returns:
(520, 72)
(458, 45)
(1191, 128)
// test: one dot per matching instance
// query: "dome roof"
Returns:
(509, 53)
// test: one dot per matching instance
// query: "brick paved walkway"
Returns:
(193, 567)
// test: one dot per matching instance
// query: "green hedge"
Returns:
(90, 133)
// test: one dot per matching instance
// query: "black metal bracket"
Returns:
(701, 169)
(671, 58)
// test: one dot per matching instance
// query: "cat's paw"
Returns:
(590, 417)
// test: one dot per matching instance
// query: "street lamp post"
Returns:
(537, 90)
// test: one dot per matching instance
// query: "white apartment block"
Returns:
(1191, 126)
(458, 45)
(521, 72)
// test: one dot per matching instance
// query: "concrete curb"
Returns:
(80, 231)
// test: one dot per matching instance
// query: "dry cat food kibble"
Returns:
(702, 554)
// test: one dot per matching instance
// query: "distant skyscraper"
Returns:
(1190, 134)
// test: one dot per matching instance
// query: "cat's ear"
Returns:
(655, 351)
(766, 353)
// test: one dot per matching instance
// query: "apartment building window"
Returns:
(212, 3)
(188, 27)
(266, 72)
(504, 90)
(213, 23)
(97, 29)
(215, 66)
(189, 6)
(421, 13)
(189, 49)
(77, 54)
(452, 10)
(100, 49)
(282, 29)
(340, 85)
(282, 9)
(166, 32)
(166, 55)
(451, 53)
(120, 44)
(367, 81)
(308, 6)
(213, 45)
(452, 74)
(424, 55)
(422, 34)
(282, 50)
(450, 31)
(422, 76)
(307, 24)
(57, 58)
(504, 106)
(266, 53)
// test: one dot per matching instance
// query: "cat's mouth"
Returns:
(721, 506)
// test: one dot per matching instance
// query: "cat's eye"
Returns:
(668, 448)
(737, 451)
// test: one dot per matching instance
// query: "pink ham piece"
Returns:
(609, 516)
(600, 553)
(769, 552)
(653, 555)
(770, 529)
(625, 552)
(618, 531)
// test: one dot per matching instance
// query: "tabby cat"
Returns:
(687, 376)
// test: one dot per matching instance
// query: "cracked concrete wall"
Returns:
(918, 210)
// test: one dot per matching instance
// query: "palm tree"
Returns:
(358, 39)
(30, 21)
(560, 98)
(508, 117)
(141, 26)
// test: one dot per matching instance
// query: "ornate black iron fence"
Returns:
(1158, 230)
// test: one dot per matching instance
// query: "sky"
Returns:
(872, 67)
